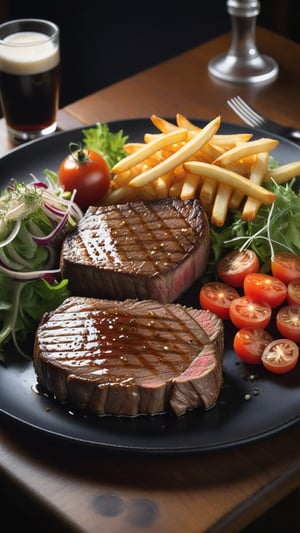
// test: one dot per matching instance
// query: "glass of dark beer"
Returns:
(29, 77)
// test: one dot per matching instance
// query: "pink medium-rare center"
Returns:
(130, 357)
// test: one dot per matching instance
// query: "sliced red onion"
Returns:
(44, 241)
(14, 232)
(35, 274)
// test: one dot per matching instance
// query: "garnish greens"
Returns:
(34, 218)
(108, 144)
(275, 228)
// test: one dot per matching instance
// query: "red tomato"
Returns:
(280, 356)
(286, 266)
(234, 266)
(249, 344)
(88, 173)
(293, 292)
(263, 287)
(245, 312)
(216, 297)
(288, 322)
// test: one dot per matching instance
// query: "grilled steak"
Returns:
(129, 357)
(154, 249)
(213, 327)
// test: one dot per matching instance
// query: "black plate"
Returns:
(274, 402)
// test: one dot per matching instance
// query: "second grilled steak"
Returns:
(129, 357)
(154, 249)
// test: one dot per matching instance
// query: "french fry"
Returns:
(162, 185)
(221, 204)
(224, 140)
(234, 180)
(122, 179)
(186, 161)
(186, 151)
(183, 122)
(208, 192)
(130, 148)
(149, 137)
(119, 196)
(190, 186)
(201, 156)
(209, 148)
(283, 173)
(163, 125)
(212, 151)
(175, 189)
(230, 140)
(246, 149)
(242, 167)
(149, 149)
(257, 174)
(179, 172)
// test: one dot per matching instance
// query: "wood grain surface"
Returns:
(76, 488)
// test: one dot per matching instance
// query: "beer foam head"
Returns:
(28, 53)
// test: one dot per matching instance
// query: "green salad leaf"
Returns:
(108, 144)
(22, 305)
(34, 219)
(275, 228)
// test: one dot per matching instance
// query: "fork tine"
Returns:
(267, 123)
(234, 104)
(255, 119)
(245, 112)
(249, 111)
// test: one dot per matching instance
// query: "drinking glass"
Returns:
(29, 77)
(243, 63)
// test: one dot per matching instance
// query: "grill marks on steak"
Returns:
(127, 358)
(154, 249)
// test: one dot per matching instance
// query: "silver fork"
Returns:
(255, 119)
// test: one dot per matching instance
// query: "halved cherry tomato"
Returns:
(286, 266)
(288, 322)
(234, 266)
(246, 312)
(280, 356)
(264, 287)
(249, 344)
(88, 173)
(293, 292)
(216, 297)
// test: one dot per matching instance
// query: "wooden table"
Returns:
(80, 489)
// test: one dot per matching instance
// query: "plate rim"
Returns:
(111, 447)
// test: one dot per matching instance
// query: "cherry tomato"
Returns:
(293, 292)
(263, 287)
(249, 344)
(288, 322)
(216, 297)
(280, 356)
(246, 312)
(88, 173)
(234, 266)
(286, 266)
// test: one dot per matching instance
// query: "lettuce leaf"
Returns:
(108, 144)
(274, 229)
(22, 306)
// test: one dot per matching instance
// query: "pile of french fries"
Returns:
(183, 160)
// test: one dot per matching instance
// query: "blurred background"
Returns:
(103, 42)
